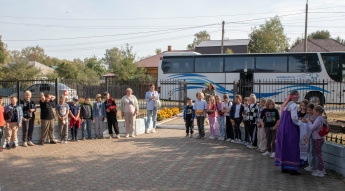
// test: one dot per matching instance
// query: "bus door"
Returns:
(246, 84)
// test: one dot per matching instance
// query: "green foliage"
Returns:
(158, 51)
(113, 58)
(96, 65)
(199, 37)
(340, 40)
(19, 68)
(269, 37)
(3, 52)
(320, 34)
(229, 51)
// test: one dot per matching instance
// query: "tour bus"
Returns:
(317, 76)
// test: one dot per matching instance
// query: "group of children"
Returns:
(261, 123)
(74, 116)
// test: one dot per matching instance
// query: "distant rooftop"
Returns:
(231, 42)
(319, 45)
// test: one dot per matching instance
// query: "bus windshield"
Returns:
(334, 64)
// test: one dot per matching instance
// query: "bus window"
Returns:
(304, 63)
(271, 64)
(208, 64)
(239, 64)
(177, 65)
(332, 65)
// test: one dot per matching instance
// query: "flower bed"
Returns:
(166, 113)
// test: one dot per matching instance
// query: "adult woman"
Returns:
(287, 145)
(210, 91)
(150, 98)
(129, 109)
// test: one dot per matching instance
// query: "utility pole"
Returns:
(222, 48)
(305, 29)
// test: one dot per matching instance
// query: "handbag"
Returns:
(199, 112)
(157, 103)
(324, 130)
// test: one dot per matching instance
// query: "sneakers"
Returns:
(31, 144)
(228, 140)
(233, 141)
(147, 131)
(221, 138)
(187, 134)
(154, 130)
(318, 173)
(14, 145)
(262, 150)
(25, 144)
(250, 146)
(199, 137)
(212, 137)
(127, 135)
(110, 136)
(273, 155)
(133, 135)
(242, 142)
(247, 143)
(83, 139)
(63, 141)
(52, 142)
(42, 143)
(118, 136)
(191, 136)
(309, 169)
(266, 153)
(7, 146)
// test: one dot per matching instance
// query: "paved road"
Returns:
(163, 161)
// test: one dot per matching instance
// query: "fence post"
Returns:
(322, 102)
(57, 90)
(106, 84)
(259, 89)
(18, 89)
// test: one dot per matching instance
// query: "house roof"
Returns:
(231, 42)
(44, 69)
(153, 61)
(319, 45)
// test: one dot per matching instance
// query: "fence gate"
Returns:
(173, 93)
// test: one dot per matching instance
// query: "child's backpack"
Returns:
(325, 130)
(8, 113)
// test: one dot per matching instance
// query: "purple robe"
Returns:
(287, 154)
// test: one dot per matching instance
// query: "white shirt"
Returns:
(237, 113)
(200, 105)
(227, 106)
(293, 108)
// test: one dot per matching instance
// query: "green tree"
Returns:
(198, 38)
(4, 55)
(269, 37)
(229, 51)
(95, 64)
(34, 53)
(320, 34)
(68, 70)
(19, 68)
(158, 51)
(113, 58)
(339, 39)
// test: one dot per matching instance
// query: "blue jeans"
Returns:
(86, 125)
(221, 124)
(153, 114)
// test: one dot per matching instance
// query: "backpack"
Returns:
(324, 130)
(8, 113)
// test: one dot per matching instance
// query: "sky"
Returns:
(69, 29)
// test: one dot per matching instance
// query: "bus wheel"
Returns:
(315, 98)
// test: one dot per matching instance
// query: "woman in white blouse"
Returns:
(150, 98)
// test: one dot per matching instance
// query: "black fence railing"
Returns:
(336, 139)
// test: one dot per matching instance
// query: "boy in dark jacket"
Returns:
(236, 117)
(110, 109)
(86, 116)
(188, 116)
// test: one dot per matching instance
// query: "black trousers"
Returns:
(246, 131)
(189, 126)
(229, 128)
(200, 121)
(1, 132)
(74, 131)
(253, 133)
(112, 122)
(28, 129)
(237, 128)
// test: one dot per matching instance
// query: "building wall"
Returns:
(217, 49)
(152, 71)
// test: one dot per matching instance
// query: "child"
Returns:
(303, 107)
(211, 113)
(200, 106)
(311, 154)
(14, 117)
(86, 116)
(318, 141)
(246, 122)
(226, 109)
(62, 110)
(261, 131)
(188, 116)
(74, 112)
(98, 116)
(236, 117)
(29, 109)
(220, 118)
(110, 108)
(47, 118)
(2, 122)
(269, 120)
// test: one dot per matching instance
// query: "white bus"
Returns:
(317, 76)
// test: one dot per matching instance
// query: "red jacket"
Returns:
(72, 122)
(2, 121)
(110, 104)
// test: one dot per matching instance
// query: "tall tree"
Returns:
(112, 58)
(198, 38)
(95, 64)
(339, 39)
(320, 34)
(158, 51)
(269, 37)
(4, 55)
(34, 53)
